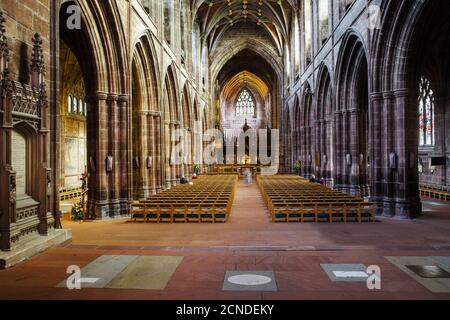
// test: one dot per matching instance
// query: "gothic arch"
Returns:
(100, 49)
(145, 121)
(239, 45)
(352, 141)
(417, 28)
(324, 125)
(307, 132)
(144, 56)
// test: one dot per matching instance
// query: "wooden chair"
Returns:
(179, 213)
(165, 213)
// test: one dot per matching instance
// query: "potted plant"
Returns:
(78, 211)
(298, 167)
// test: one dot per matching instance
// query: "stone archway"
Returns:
(103, 64)
(351, 116)
(410, 25)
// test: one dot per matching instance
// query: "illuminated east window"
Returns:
(245, 105)
(426, 113)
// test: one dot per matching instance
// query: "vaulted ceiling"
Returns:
(217, 16)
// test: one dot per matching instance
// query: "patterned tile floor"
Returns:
(146, 261)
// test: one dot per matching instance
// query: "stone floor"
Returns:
(249, 244)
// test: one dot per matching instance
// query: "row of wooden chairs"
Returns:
(430, 192)
(69, 194)
(294, 199)
(209, 199)
(172, 213)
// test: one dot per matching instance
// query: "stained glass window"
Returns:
(245, 105)
(426, 113)
(308, 30)
(69, 104)
(75, 105)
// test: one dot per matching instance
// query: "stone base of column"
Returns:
(109, 209)
(397, 208)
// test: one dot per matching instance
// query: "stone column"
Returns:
(125, 154)
(113, 151)
(97, 127)
(376, 151)
(159, 163)
(151, 153)
(388, 177)
(167, 147)
(346, 145)
(338, 149)
(144, 151)
(408, 204)
(354, 135)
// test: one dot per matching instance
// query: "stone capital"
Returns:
(124, 98)
(99, 95)
(401, 93)
(113, 97)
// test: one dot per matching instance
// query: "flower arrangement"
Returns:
(78, 211)
(298, 166)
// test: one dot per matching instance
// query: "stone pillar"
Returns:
(167, 147)
(144, 152)
(159, 163)
(113, 151)
(151, 153)
(338, 154)
(345, 136)
(378, 134)
(97, 130)
(125, 154)
(408, 202)
(354, 185)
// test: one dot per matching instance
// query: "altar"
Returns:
(240, 169)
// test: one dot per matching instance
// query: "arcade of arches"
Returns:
(359, 92)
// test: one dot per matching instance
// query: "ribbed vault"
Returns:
(217, 17)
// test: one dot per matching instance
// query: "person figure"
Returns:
(312, 179)
(183, 180)
(248, 177)
(322, 181)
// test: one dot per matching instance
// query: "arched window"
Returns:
(69, 104)
(307, 11)
(75, 105)
(245, 105)
(323, 20)
(426, 113)
(168, 20)
(81, 107)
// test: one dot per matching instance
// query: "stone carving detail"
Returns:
(25, 100)
(37, 60)
(24, 232)
(26, 213)
(23, 103)
(12, 189)
(109, 163)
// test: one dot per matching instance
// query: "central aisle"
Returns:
(248, 206)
